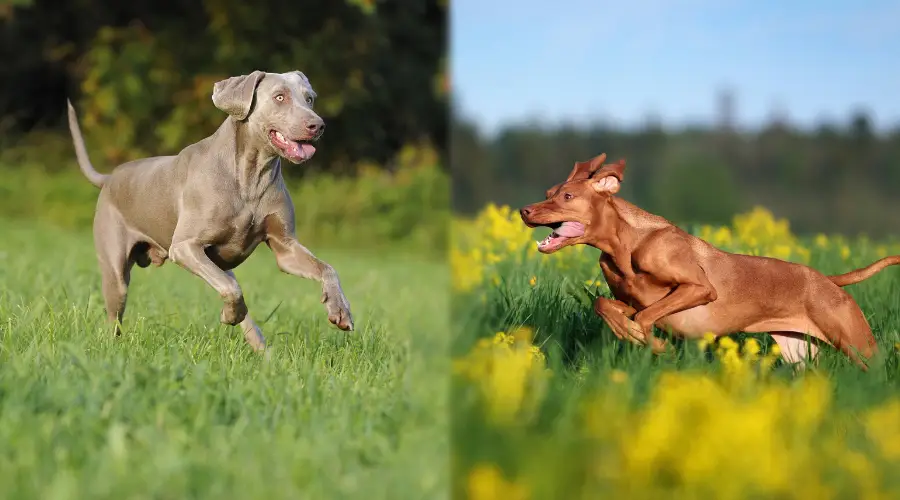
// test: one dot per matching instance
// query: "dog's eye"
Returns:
(309, 100)
(279, 97)
(568, 196)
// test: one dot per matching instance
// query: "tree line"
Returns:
(837, 178)
(141, 72)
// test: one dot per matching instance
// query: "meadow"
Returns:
(178, 406)
(549, 405)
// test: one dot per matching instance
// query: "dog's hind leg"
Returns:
(113, 256)
(831, 318)
(795, 347)
(116, 278)
(845, 326)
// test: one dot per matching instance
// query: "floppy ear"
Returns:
(584, 169)
(608, 178)
(550, 192)
(303, 77)
(235, 95)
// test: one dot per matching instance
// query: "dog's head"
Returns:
(580, 208)
(278, 108)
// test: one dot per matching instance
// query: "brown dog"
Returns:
(662, 276)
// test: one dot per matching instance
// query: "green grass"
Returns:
(559, 308)
(179, 407)
(582, 352)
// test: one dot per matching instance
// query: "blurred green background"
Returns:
(141, 75)
(842, 177)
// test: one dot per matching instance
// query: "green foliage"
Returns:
(178, 407)
(123, 65)
(377, 208)
(696, 188)
(367, 6)
(15, 3)
(142, 74)
(409, 205)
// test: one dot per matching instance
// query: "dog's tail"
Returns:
(84, 162)
(864, 273)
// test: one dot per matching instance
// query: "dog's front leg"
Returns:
(617, 315)
(689, 292)
(252, 333)
(293, 258)
(190, 254)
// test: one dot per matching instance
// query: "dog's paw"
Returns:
(233, 312)
(338, 309)
(254, 337)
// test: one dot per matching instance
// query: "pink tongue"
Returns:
(307, 150)
(570, 229)
(301, 151)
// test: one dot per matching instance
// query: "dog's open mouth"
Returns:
(562, 232)
(296, 151)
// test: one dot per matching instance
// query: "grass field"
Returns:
(178, 407)
(585, 414)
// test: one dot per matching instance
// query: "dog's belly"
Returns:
(724, 316)
(695, 322)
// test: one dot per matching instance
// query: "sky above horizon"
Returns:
(581, 61)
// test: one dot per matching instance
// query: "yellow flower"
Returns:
(821, 241)
(775, 350)
(509, 373)
(486, 482)
(695, 430)
(717, 236)
(803, 253)
(758, 232)
(707, 340)
(751, 347)
(618, 376)
(496, 235)
(522, 334)
(466, 270)
(728, 344)
(883, 430)
(532, 281)
(503, 338)
(845, 252)
(781, 251)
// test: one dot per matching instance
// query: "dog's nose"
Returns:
(525, 212)
(316, 126)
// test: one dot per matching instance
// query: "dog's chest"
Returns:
(246, 232)
(643, 289)
(640, 290)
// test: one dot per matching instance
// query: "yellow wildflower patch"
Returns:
(486, 482)
(509, 372)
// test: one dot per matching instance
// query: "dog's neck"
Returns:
(256, 167)
(624, 226)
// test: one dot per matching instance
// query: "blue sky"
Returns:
(583, 60)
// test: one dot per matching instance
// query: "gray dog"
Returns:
(208, 207)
